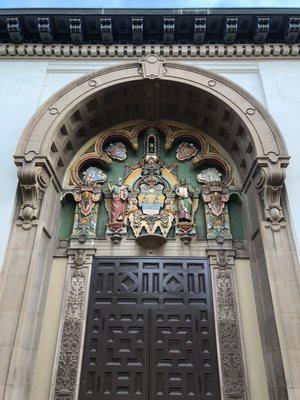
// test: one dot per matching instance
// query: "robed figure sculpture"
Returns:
(119, 197)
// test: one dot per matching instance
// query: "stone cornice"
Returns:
(129, 51)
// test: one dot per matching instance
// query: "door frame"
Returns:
(70, 344)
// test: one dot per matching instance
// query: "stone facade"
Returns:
(43, 156)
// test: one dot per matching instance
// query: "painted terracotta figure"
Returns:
(119, 193)
(184, 201)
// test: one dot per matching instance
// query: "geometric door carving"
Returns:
(150, 331)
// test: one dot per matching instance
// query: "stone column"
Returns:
(231, 364)
(66, 374)
(25, 276)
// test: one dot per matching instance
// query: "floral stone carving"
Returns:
(71, 338)
(231, 353)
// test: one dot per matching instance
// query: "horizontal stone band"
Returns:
(128, 51)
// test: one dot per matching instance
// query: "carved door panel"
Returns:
(150, 332)
(119, 356)
(180, 356)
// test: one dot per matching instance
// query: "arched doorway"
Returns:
(153, 90)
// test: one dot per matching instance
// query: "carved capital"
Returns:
(152, 67)
(33, 181)
(81, 257)
(269, 182)
(221, 258)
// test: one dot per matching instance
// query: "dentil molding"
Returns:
(269, 50)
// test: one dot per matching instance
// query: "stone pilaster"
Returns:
(232, 370)
(70, 345)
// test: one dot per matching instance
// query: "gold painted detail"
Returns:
(151, 199)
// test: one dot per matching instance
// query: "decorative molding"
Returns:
(267, 50)
(14, 28)
(270, 184)
(261, 29)
(80, 262)
(232, 363)
(231, 29)
(106, 30)
(76, 30)
(137, 29)
(199, 29)
(231, 352)
(32, 182)
(45, 29)
(71, 338)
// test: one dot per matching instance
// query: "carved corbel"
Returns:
(33, 181)
(270, 184)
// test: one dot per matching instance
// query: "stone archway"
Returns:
(71, 117)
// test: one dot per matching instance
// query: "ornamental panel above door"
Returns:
(150, 331)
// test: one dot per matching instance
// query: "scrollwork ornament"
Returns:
(71, 338)
(33, 181)
(270, 184)
(231, 353)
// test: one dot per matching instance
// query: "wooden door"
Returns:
(150, 332)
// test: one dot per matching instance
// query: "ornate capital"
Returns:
(270, 183)
(152, 67)
(33, 181)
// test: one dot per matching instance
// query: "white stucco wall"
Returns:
(27, 84)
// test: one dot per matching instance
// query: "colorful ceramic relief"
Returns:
(186, 151)
(117, 151)
(86, 212)
(93, 175)
(215, 197)
(210, 176)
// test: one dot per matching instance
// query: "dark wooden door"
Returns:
(150, 332)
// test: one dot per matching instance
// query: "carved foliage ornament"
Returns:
(71, 338)
(32, 182)
(270, 184)
(231, 354)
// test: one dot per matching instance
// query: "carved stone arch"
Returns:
(66, 113)
(92, 103)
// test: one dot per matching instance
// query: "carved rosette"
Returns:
(232, 365)
(33, 181)
(270, 184)
(80, 262)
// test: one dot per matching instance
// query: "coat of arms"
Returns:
(117, 151)
(93, 175)
(186, 151)
(151, 197)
